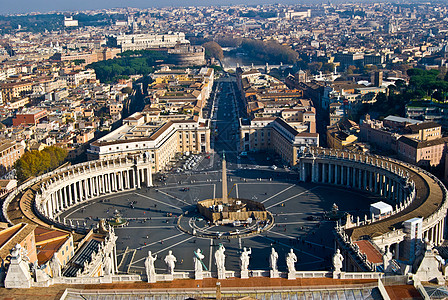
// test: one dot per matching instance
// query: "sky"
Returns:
(26, 6)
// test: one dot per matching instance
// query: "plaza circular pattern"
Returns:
(153, 216)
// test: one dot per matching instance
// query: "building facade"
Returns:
(10, 152)
(161, 145)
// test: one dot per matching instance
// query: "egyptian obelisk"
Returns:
(224, 178)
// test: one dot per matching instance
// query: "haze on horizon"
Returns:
(27, 6)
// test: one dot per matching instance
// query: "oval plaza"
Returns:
(371, 246)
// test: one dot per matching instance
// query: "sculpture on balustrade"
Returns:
(198, 264)
(220, 259)
(244, 258)
(108, 268)
(387, 261)
(291, 260)
(149, 266)
(337, 261)
(273, 263)
(55, 266)
(170, 261)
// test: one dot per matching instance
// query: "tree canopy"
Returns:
(269, 51)
(213, 49)
(130, 63)
(35, 163)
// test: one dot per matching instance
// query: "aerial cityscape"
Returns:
(229, 151)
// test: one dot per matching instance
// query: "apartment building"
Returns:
(276, 135)
(29, 117)
(10, 152)
(15, 90)
(75, 78)
(160, 141)
(148, 41)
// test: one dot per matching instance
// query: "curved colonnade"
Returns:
(61, 189)
(415, 192)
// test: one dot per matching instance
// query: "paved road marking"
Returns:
(304, 192)
(181, 186)
(214, 191)
(282, 191)
(79, 207)
(156, 242)
(289, 246)
(147, 245)
(144, 196)
(181, 242)
(144, 227)
(236, 190)
(299, 213)
(293, 223)
(308, 242)
(178, 199)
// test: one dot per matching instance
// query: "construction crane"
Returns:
(231, 189)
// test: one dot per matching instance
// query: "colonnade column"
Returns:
(90, 187)
(366, 179)
(381, 180)
(360, 179)
(97, 185)
(336, 174)
(69, 192)
(331, 175)
(121, 180)
(353, 183)
(137, 178)
(75, 192)
(114, 181)
(81, 191)
(51, 204)
(150, 175)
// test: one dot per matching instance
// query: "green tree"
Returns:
(269, 51)
(213, 49)
(35, 163)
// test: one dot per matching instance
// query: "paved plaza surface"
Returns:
(153, 212)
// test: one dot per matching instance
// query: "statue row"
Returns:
(220, 258)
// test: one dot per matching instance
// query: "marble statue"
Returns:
(273, 264)
(220, 260)
(197, 259)
(387, 258)
(337, 261)
(55, 266)
(291, 260)
(245, 257)
(170, 261)
(273, 260)
(149, 266)
(108, 270)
